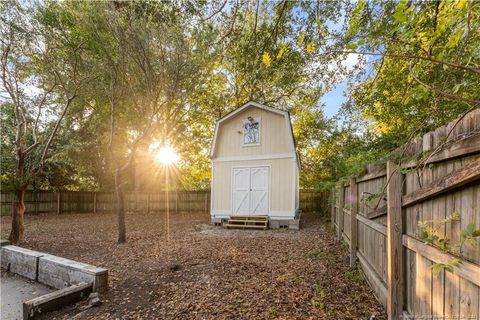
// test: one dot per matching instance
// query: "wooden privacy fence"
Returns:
(84, 201)
(179, 201)
(378, 213)
(314, 201)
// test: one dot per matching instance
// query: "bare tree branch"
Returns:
(442, 92)
(215, 12)
(35, 126)
(409, 56)
(232, 25)
(54, 132)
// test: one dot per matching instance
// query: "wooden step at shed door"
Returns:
(248, 222)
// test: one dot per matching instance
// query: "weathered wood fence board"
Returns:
(314, 201)
(441, 175)
(179, 201)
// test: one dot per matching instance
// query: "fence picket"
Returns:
(341, 213)
(353, 221)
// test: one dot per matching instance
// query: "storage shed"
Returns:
(255, 167)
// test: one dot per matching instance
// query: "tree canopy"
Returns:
(99, 84)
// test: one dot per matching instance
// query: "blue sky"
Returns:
(334, 99)
(339, 94)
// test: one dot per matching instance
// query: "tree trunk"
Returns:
(122, 238)
(16, 234)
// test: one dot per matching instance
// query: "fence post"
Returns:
(165, 204)
(135, 201)
(394, 240)
(353, 221)
(176, 201)
(332, 200)
(206, 202)
(341, 203)
(77, 203)
(13, 207)
(59, 202)
(35, 201)
(94, 202)
(148, 202)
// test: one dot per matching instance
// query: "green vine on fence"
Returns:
(429, 235)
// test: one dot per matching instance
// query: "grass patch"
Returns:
(274, 312)
(315, 253)
(318, 300)
(344, 244)
(355, 275)
(317, 303)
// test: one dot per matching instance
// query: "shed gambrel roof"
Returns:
(254, 104)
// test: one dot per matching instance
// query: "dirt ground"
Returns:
(206, 272)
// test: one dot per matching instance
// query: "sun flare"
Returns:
(166, 155)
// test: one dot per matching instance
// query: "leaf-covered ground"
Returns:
(206, 272)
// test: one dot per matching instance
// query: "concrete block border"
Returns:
(20, 261)
(51, 270)
(59, 272)
(75, 280)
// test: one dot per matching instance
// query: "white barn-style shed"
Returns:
(255, 166)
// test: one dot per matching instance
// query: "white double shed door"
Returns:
(250, 190)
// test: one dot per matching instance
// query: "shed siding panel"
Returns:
(274, 135)
(222, 185)
(281, 186)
